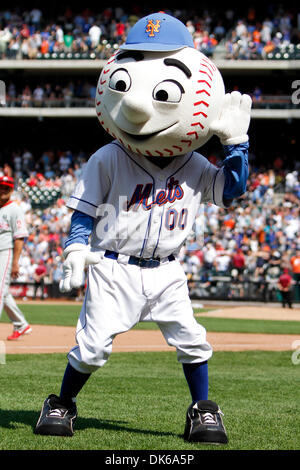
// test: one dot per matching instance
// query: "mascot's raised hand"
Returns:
(233, 123)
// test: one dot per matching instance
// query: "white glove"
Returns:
(77, 257)
(233, 123)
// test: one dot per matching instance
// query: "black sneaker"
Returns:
(204, 423)
(55, 418)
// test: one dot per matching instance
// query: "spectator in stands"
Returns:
(39, 279)
(291, 180)
(285, 285)
(13, 48)
(55, 275)
(11, 94)
(209, 256)
(44, 47)
(38, 96)
(241, 29)
(35, 17)
(295, 262)
(5, 37)
(219, 31)
(68, 41)
(238, 262)
(64, 162)
(24, 48)
(222, 263)
(27, 161)
(95, 35)
(68, 94)
(190, 26)
(120, 31)
(33, 46)
(26, 97)
(17, 159)
(59, 35)
(257, 94)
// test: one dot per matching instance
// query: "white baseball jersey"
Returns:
(12, 225)
(141, 209)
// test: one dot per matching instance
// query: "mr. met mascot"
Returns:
(135, 204)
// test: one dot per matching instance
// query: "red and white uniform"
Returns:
(12, 226)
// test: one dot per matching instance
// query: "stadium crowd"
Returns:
(81, 93)
(29, 34)
(71, 94)
(253, 241)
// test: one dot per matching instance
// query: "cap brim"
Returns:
(152, 47)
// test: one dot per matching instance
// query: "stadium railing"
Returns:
(290, 52)
(284, 52)
(266, 102)
(219, 288)
(226, 288)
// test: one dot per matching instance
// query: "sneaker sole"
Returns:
(53, 430)
(208, 439)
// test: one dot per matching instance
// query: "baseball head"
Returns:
(158, 95)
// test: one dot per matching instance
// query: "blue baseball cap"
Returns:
(158, 32)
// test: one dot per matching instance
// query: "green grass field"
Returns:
(66, 315)
(138, 401)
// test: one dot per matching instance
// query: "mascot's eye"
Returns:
(120, 80)
(169, 91)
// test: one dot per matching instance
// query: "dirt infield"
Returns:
(50, 339)
(253, 312)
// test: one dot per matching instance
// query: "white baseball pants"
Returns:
(120, 295)
(6, 299)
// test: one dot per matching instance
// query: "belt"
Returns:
(141, 262)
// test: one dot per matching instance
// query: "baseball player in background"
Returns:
(135, 205)
(12, 233)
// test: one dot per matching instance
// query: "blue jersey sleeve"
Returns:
(81, 228)
(235, 167)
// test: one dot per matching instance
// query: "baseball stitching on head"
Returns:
(203, 91)
(211, 67)
(204, 80)
(177, 147)
(211, 64)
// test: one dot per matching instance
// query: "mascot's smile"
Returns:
(147, 136)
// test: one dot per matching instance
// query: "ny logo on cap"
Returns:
(152, 28)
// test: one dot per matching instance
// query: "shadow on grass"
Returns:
(9, 418)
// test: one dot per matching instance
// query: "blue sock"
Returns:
(197, 378)
(72, 383)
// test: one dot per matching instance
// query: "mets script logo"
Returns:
(152, 28)
(142, 193)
